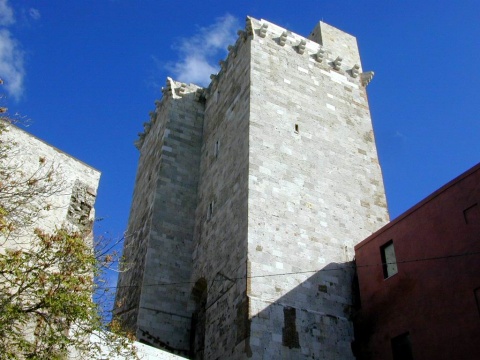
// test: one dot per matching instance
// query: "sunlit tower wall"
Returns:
(289, 183)
(153, 289)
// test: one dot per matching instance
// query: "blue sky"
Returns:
(86, 74)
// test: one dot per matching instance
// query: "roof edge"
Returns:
(420, 204)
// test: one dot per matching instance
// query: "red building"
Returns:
(419, 279)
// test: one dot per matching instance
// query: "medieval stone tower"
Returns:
(250, 195)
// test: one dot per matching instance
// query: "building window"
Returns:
(216, 150)
(389, 261)
(296, 128)
(402, 347)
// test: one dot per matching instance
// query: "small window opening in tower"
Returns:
(296, 128)
(217, 148)
(210, 211)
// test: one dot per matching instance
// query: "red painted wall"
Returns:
(437, 248)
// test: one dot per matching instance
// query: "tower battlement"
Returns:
(327, 46)
(172, 90)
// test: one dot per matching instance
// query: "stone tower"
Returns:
(249, 198)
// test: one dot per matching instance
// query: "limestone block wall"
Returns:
(136, 238)
(69, 195)
(220, 251)
(249, 198)
(158, 245)
(315, 190)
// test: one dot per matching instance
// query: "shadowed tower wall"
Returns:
(288, 182)
(221, 231)
(153, 292)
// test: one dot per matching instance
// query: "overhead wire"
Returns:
(339, 267)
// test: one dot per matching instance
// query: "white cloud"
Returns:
(200, 53)
(11, 64)
(6, 14)
(11, 56)
(34, 13)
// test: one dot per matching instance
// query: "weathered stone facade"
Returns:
(69, 199)
(159, 241)
(250, 196)
(41, 188)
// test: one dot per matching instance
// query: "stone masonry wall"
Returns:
(136, 238)
(160, 232)
(71, 191)
(220, 251)
(288, 182)
(315, 190)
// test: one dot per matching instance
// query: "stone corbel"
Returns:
(232, 51)
(214, 81)
(320, 55)
(301, 47)
(242, 35)
(282, 39)
(223, 65)
(139, 142)
(355, 70)
(337, 63)
(153, 116)
(366, 77)
(262, 32)
(147, 125)
(200, 95)
(181, 90)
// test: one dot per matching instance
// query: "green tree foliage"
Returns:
(47, 279)
(46, 290)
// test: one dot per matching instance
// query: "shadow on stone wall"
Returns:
(313, 320)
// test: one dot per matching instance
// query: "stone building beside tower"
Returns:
(68, 198)
(249, 198)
